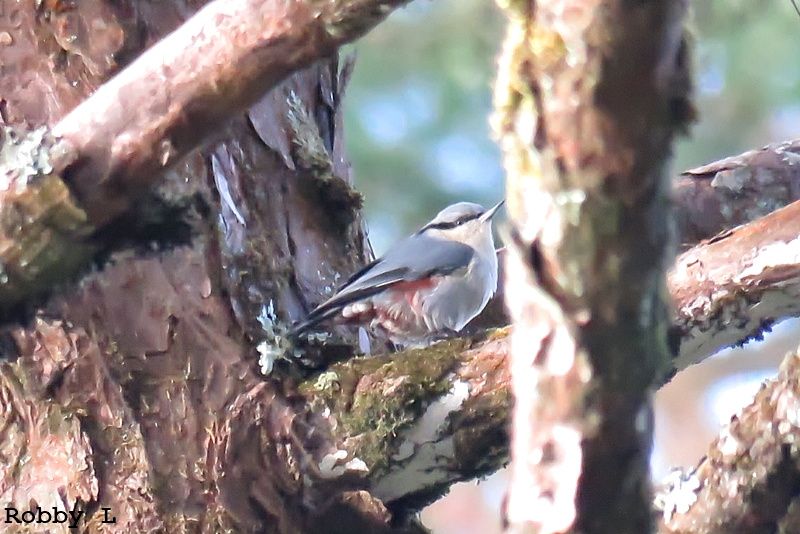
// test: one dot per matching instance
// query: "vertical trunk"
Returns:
(589, 97)
(140, 388)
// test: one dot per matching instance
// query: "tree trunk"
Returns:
(140, 389)
(138, 395)
(588, 99)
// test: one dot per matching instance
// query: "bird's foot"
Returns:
(444, 335)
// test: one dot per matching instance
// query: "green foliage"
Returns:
(418, 105)
(417, 114)
(747, 78)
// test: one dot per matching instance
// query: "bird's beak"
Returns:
(489, 214)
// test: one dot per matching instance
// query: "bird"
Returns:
(427, 286)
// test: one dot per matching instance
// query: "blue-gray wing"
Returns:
(415, 258)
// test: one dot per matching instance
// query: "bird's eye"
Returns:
(449, 225)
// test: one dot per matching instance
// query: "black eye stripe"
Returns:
(452, 224)
(442, 226)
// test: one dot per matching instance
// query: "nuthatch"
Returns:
(428, 285)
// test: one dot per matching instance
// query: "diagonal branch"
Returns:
(178, 93)
(736, 190)
(733, 287)
(749, 482)
(118, 143)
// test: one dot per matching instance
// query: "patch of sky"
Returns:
(785, 122)
(658, 464)
(786, 77)
(494, 488)
(388, 117)
(383, 231)
(463, 164)
(414, 12)
(712, 63)
(729, 395)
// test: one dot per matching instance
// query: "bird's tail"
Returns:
(313, 319)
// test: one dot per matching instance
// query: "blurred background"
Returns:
(418, 138)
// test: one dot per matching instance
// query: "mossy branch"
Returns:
(42, 230)
(415, 422)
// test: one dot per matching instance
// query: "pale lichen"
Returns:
(311, 152)
(274, 343)
(678, 492)
(373, 399)
(42, 230)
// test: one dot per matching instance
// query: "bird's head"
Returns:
(465, 222)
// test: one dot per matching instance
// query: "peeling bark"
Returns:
(749, 481)
(588, 99)
(735, 286)
(65, 372)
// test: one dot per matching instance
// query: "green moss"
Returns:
(374, 399)
(497, 333)
(42, 230)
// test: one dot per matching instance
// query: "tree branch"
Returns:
(733, 287)
(118, 143)
(178, 93)
(413, 423)
(750, 478)
(736, 190)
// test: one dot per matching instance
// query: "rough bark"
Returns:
(140, 387)
(150, 385)
(116, 145)
(733, 287)
(749, 482)
(713, 198)
(589, 97)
